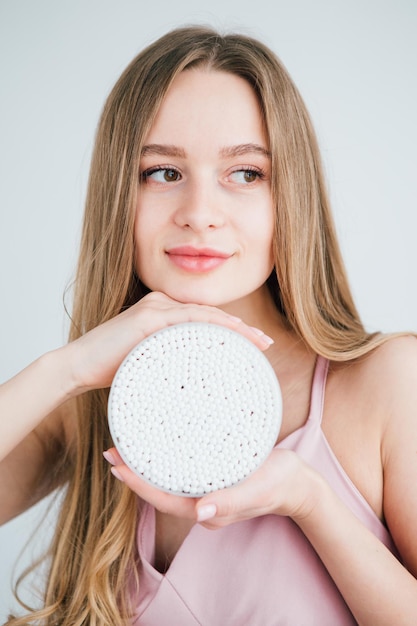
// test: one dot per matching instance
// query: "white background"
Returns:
(356, 65)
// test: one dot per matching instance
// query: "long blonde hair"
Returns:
(93, 552)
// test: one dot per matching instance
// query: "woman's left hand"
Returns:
(283, 485)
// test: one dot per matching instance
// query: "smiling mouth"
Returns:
(197, 260)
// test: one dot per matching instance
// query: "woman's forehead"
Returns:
(208, 105)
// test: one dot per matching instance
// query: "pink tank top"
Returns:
(260, 572)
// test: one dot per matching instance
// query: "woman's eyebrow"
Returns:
(163, 150)
(170, 150)
(244, 148)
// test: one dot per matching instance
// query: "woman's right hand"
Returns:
(95, 357)
(33, 399)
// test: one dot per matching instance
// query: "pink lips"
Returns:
(197, 260)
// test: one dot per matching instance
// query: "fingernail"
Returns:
(117, 474)
(257, 331)
(234, 318)
(109, 457)
(268, 340)
(206, 512)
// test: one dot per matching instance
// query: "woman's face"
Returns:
(205, 217)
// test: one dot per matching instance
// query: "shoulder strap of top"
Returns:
(318, 389)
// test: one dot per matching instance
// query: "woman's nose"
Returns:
(200, 206)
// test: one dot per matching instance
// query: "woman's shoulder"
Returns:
(377, 390)
(391, 368)
(395, 349)
(385, 371)
(391, 373)
(394, 367)
(371, 413)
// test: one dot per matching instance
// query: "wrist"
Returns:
(60, 364)
(317, 495)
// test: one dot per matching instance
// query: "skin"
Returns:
(195, 200)
(219, 196)
(369, 413)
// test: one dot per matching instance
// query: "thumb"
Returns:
(206, 511)
(225, 504)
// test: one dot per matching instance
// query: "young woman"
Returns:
(206, 202)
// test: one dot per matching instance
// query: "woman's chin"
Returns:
(232, 300)
(197, 299)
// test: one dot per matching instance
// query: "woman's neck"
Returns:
(256, 309)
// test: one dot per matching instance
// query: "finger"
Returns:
(255, 335)
(221, 508)
(250, 498)
(112, 456)
(169, 312)
(162, 501)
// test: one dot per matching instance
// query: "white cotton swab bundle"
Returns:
(194, 408)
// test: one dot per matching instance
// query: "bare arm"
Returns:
(379, 589)
(33, 407)
(36, 412)
(31, 395)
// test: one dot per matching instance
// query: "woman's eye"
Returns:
(245, 176)
(161, 175)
